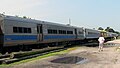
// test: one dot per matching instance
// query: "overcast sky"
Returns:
(83, 13)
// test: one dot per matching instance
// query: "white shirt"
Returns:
(101, 39)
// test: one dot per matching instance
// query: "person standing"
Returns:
(101, 43)
(114, 37)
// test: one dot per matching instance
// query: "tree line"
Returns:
(109, 29)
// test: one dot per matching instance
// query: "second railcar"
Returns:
(91, 33)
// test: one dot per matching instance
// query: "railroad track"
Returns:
(18, 56)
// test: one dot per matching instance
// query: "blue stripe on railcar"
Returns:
(19, 37)
(46, 37)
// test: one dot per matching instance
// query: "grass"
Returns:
(37, 58)
(71, 49)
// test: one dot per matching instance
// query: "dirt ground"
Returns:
(108, 58)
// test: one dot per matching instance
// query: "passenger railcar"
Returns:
(18, 31)
(56, 32)
(91, 35)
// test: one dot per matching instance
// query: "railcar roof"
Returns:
(32, 21)
(92, 29)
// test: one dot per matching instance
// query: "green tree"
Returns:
(24, 17)
(100, 28)
(108, 29)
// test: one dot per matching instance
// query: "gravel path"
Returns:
(108, 58)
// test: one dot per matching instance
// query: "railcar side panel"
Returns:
(19, 32)
(91, 33)
(57, 33)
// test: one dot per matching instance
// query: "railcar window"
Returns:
(55, 31)
(92, 33)
(25, 30)
(80, 32)
(29, 30)
(69, 32)
(51, 31)
(15, 30)
(21, 30)
(62, 32)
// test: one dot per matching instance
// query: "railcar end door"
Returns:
(76, 33)
(39, 32)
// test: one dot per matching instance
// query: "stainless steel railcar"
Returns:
(16, 31)
(91, 33)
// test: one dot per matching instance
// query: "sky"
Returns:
(82, 13)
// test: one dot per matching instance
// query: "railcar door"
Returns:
(39, 32)
(76, 33)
